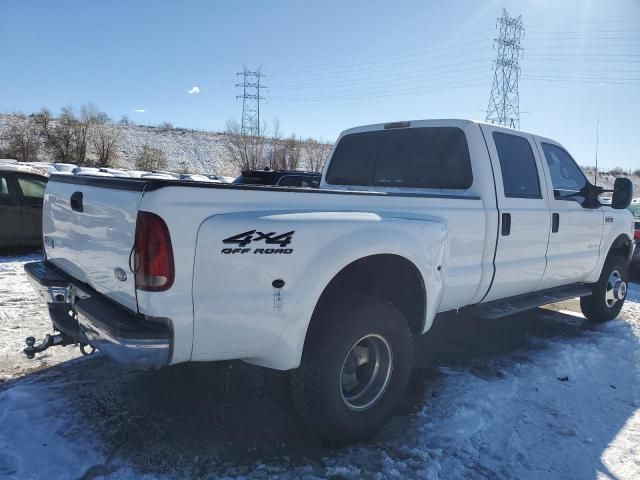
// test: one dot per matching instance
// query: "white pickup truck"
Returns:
(412, 219)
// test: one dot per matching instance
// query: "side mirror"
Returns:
(622, 193)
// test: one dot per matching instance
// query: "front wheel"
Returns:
(354, 371)
(609, 292)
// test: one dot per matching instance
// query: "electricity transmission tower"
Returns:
(251, 97)
(504, 103)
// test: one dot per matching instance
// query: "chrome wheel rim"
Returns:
(616, 289)
(366, 371)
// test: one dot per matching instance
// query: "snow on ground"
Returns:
(22, 315)
(539, 395)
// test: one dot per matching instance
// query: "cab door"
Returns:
(524, 220)
(10, 210)
(574, 241)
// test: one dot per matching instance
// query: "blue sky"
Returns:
(331, 65)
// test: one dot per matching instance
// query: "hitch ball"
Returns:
(30, 351)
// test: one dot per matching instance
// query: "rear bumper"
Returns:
(129, 338)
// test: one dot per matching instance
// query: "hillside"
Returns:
(204, 152)
(198, 151)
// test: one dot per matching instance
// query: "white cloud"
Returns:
(195, 90)
(139, 110)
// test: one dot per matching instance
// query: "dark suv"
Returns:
(21, 195)
(281, 178)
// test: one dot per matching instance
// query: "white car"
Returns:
(137, 173)
(411, 220)
(192, 177)
(64, 167)
(44, 168)
(24, 167)
(159, 176)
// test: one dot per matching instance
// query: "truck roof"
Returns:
(435, 122)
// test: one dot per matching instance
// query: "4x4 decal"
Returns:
(253, 236)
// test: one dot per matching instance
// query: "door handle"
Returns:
(76, 202)
(506, 224)
(555, 222)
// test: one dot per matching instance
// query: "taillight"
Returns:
(636, 235)
(153, 255)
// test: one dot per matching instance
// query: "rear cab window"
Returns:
(419, 157)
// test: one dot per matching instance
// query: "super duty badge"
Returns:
(242, 240)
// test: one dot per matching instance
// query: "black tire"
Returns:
(319, 395)
(604, 303)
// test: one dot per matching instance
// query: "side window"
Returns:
(290, 181)
(518, 166)
(298, 181)
(6, 189)
(566, 177)
(4, 186)
(31, 187)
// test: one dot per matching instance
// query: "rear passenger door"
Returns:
(10, 215)
(524, 220)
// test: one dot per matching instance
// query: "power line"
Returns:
(577, 80)
(584, 59)
(410, 59)
(584, 32)
(451, 43)
(547, 25)
(251, 97)
(369, 76)
(358, 96)
(504, 102)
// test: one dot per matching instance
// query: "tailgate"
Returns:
(89, 230)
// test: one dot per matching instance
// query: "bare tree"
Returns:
(151, 158)
(317, 152)
(82, 126)
(22, 139)
(105, 139)
(57, 134)
(183, 167)
(124, 120)
(276, 150)
(245, 152)
(291, 157)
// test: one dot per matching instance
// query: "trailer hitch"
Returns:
(49, 341)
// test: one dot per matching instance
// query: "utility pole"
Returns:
(251, 96)
(504, 103)
(595, 180)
